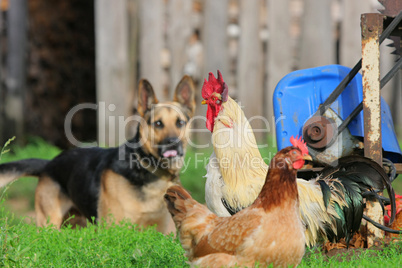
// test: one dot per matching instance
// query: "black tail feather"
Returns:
(359, 177)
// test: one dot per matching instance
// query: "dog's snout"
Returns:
(171, 141)
(171, 147)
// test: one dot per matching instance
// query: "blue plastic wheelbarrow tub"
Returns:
(299, 94)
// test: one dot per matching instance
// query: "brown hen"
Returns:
(269, 231)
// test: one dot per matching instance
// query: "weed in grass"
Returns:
(4, 150)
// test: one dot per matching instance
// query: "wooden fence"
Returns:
(254, 43)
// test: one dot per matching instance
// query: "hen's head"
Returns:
(298, 152)
(214, 92)
(292, 156)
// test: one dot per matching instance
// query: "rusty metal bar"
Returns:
(371, 28)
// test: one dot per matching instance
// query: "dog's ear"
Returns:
(146, 97)
(185, 93)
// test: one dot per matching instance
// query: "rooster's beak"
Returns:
(307, 157)
(203, 102)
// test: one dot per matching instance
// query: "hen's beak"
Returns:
(307, 157)
(203, 102)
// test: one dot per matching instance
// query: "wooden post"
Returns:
(215, 37)
(317, 46)
(151, 44)
(112, 68)
(279, 56)
(16, 69)
(250, 63)
(371, 27)
(179, 32)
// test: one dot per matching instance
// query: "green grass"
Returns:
(192, 175)
(25, 245)
(388, 256)
(22, 244)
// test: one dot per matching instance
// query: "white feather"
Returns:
(214, 187)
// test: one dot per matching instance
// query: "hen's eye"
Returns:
(294, 152)
(158, 124)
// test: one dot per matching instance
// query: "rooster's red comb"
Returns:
(214, 85)
(299, 143)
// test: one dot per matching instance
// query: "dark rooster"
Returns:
(269, 231)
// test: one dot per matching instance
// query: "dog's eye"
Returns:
(180, 123)
(158, 124)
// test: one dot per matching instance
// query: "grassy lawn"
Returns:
(22, 244)
(25, 245)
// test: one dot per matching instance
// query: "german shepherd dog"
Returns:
(125, 182)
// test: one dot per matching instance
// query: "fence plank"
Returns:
(112, 68)
(16, 69)
(151, 44)
(133, 49)
(250, 63)
(215, 41)
(317, 46)
(215, 37)
(133, 37)
(179, 32)
(279, 56)
(350, 36)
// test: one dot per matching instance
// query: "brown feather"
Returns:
(281, 184)
(269, 231)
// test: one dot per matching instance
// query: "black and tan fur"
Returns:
(125, 182)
